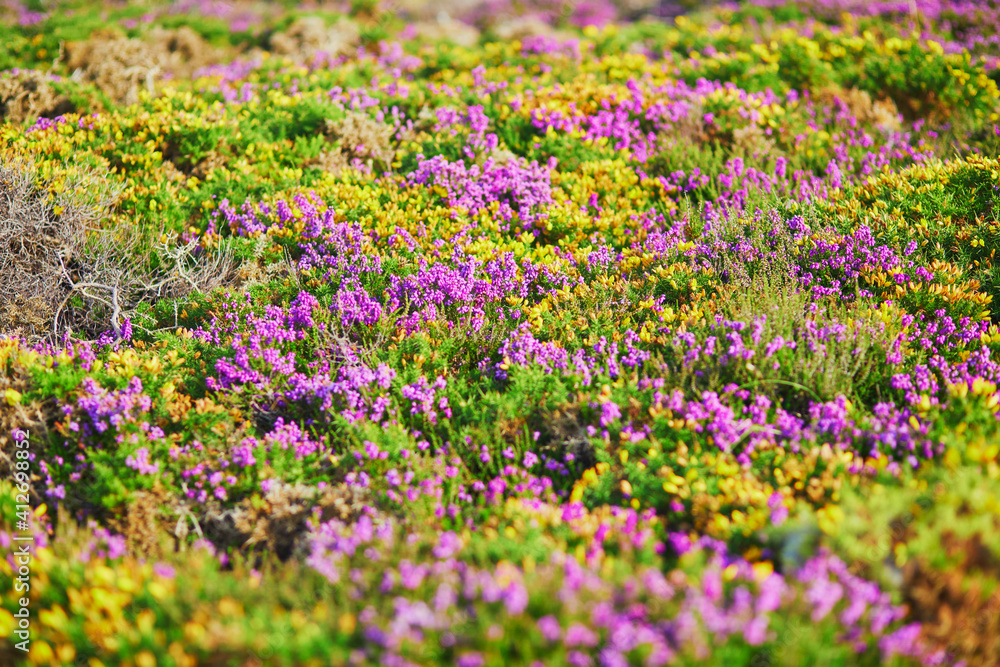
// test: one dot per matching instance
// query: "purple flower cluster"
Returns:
(589, 617)
(469, 291)
(515, 187)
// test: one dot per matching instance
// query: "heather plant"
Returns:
(924, 536)
(521, 334)
(754, 256)
(788, 353)
(963, 236)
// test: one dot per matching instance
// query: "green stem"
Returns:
(785, 382)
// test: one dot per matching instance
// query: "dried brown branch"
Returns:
(60, 272)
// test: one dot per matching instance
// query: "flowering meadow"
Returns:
(506, 333)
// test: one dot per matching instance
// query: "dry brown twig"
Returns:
(61, 272)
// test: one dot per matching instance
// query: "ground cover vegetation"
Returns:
(516, 333)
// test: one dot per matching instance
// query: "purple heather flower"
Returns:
(448, 545)
(755, 632)
(771, 591)
(580, 635)
(164, 570)
(471, 660)
(140, 462)
(516, 598)
(549, 627)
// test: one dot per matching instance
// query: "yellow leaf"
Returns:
(6, 622)
(952, 459)
(347, 623)
(763, 570)
(12, 396)
(41, 653)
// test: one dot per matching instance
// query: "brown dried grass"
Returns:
(28, 96)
